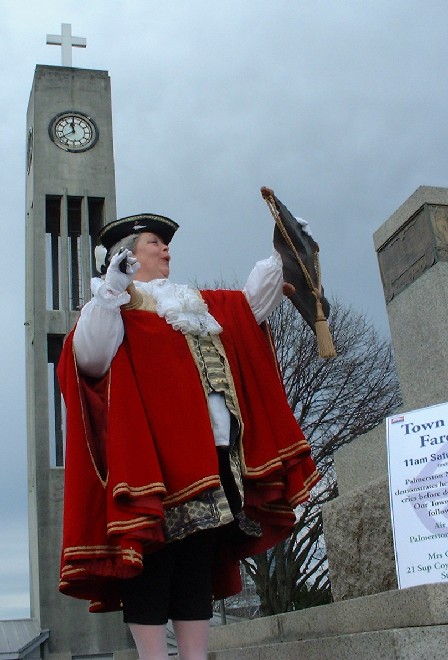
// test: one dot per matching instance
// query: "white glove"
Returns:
(117, 281)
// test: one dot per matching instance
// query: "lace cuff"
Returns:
(107, 298)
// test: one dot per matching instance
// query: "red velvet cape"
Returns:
(139, 440)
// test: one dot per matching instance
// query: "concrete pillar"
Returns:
(70, 194)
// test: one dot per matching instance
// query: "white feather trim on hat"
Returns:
(100, 257)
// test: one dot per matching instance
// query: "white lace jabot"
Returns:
(181, 306)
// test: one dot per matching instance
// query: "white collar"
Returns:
(181, 306)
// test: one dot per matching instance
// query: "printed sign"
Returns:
(417, 444)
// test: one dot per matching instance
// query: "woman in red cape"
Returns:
(183, 455)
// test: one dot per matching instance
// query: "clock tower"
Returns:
(70, 195)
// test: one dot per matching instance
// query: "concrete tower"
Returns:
(70, 194)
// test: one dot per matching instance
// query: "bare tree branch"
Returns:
(334, 401)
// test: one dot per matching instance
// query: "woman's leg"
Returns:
(192, 639)
(150, 641)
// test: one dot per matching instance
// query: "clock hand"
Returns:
(66, 133)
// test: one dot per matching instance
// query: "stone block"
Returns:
(423, 195)
(418, 319)
(361, 461)
(249, 653)
(288, 651)
(368, 646)
(358, 538)
(421, 643)
(257, 631)
(405, 624)
(126, 655)
(428, 643)
(424, 605)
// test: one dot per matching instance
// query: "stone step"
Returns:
(405, 624)
(421, 643)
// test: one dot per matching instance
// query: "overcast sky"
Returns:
(340, 107)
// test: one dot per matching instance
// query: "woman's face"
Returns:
(153, 256)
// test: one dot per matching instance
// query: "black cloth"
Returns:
(307, 249)
(175, 583)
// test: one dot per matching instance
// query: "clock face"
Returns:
(73, 131)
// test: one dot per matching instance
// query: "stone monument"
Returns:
(412, 248)
(371, 618)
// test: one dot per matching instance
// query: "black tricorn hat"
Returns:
(117, 229)
(301, 268)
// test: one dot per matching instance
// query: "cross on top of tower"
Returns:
(67, 41)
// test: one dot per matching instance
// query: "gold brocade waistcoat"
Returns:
(209, 356)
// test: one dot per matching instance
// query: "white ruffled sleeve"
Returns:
(99, 331)
(264, 286)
